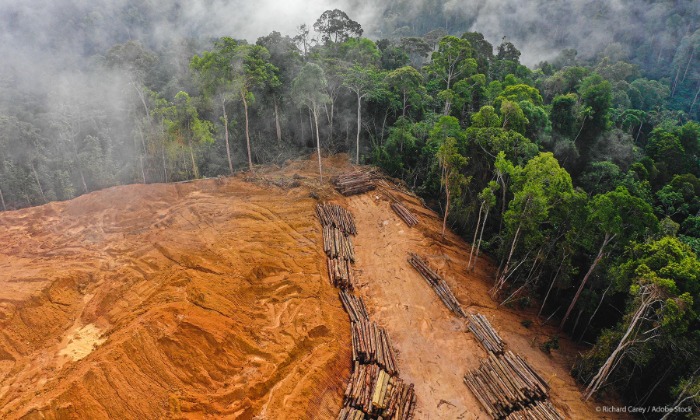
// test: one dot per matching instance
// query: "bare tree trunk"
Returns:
(447, 205)
(551, 285)
(359, 125)
(195, 170)
(627, 339)
(226, 136)
(143, 152)
(476, 233)
(695, 99)
(277, 123)
(502, 276)
(2, 200)
(481, 235)
(682, 397)
(165, 167)
(405, 101)
(139, 91)
(588, 324)
(38, 183)
(318, 146)
(247, 132)
(311, 124)
(597, 259)
(687, 66)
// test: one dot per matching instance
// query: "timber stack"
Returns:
(379, 394)
(370, 344)
(541, 410)
(336, 216)
(484, 332)
(356, 182)
(340, 273)
(438, 284)
(375, 390)
(409, 218)
(507, 384)
(354, 306)
(338, 225)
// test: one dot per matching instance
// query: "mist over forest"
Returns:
(564, 132)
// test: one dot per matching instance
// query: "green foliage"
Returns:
(551, 344)
(335, 26)
(513, 117)
(486, 117)
(406, 83)
(452, 61)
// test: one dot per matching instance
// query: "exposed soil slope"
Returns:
(204, 298)
(211, 299)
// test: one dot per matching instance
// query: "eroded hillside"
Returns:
(211, 299)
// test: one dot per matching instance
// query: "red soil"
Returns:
(211, 299)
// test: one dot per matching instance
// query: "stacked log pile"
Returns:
(337, 244)
(340, 273)
(370, 344)
(356, 182)
(354, 306)
(350, 413)
(438, 284)
(375, 389)
(338, 225)
(409, 218)
(542, 410)
(379, 394)
(336, 216)
(506, 384)
(484, 332)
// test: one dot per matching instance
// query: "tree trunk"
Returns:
(139, 91)
(38, 184)
(318, 146)
(359, 125)
(226, 136)
(695, 99)
(588, 324)
(447, 205)
(2, 201)
(247, 132)
(165, 167)
(606, 369)
(481, 235)
(143, 153)
(311, 124)
(597, 259)
(277, 123)
(195, 170)
(681, 396)
(502, 276)
(405, 101)
(476, 233)
(552, 284)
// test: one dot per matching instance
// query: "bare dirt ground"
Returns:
(435, 351)
(211, 299)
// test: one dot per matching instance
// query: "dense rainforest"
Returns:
(579, 175)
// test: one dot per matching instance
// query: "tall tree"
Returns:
(451, 163)
(363, 82)
(251, 69)
(184, 126)
(216, 73)
(616, 216)
(309, 89)
(335, 26)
